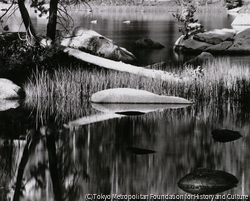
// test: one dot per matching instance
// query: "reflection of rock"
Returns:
(217, 41)
(127, 95)
(147, 43)
(94, 43)
(133, 108)
(8, 104)
(204, 57)
(224, 135)
(206, 181)
(92, 119)
(9, 90)
(139, 151)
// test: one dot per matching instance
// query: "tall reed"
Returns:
(67, 89)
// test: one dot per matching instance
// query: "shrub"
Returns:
(230, 4)
(186, 16)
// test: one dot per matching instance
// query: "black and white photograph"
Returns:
(124, 100)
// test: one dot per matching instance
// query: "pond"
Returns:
(44, 156)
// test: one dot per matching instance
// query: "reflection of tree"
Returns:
(47, 169)
(64, 160)
(30, 143)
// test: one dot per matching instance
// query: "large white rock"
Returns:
(8, 104)
(128, 95)
(9, 90)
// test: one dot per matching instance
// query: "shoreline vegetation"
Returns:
(57, 81)
(167, 7)
(222, 83)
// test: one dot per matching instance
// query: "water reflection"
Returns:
(68, 163)
(139, 151)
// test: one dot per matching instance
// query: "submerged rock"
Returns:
(9, 90)
(224, 135)
(206, 181)
(96, 44)
(127, 95)
(147, 43)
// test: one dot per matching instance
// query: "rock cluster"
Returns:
(216, 41)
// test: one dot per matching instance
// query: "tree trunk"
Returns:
(27, 22)
(51, 27)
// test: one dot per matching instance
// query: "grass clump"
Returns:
(67, 90)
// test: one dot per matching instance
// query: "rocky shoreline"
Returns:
(219, 41)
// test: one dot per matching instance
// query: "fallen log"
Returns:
(120, 66)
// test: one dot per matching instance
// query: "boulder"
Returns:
(96, 44)
(221, 47)
(127, 95)
(241, 42)
(147, 43)
(210, 42)
(9, 90)
(202, 58)
(206, 181)
(215, 37)
(190, 45)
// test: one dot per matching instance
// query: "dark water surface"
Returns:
(97, 158)
(43, 156)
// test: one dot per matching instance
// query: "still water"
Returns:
(44, 157)
(159, 26)
(96, 159)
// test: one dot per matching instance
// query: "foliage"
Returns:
(186, 16)
(57, 10)
(18, 59)
(230, 4)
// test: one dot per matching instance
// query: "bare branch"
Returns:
(6, 11)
